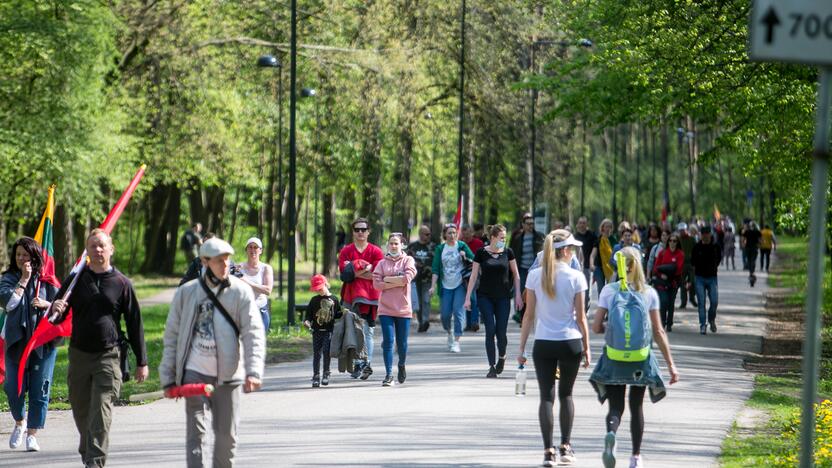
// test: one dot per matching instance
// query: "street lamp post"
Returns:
(293, 55)
(311, 93)
(460, 160)
(269, 61)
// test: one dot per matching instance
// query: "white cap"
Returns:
(254, 240)
(682, 227)
(215, 246)
(568, 241)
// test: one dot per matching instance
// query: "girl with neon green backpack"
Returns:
(628, 314)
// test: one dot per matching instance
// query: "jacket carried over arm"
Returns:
(237, 357)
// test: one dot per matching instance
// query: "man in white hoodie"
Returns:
(214, 335)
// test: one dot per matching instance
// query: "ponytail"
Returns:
(549, 265)
(551, 255)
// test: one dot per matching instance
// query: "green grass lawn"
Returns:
(779, 397)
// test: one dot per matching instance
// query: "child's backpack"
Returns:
(629, 335)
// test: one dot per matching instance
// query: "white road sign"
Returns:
(792, 31)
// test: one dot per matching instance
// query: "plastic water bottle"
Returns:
(520, 382)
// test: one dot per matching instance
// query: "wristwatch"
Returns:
(21, 286)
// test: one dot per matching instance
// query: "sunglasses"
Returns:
(360, 229)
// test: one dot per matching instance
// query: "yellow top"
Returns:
(766, 239)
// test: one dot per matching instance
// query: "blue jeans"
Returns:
(600, 279)
(420, 298)
(709, 285)
(369, 333)
(390, 327)
(265, 313)
(37, 383)
(473, 316)
(451, 302)
(495, 312)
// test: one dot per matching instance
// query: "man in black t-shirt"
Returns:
(590, 241)
(102, 296)
(422, 252)
(705, 258)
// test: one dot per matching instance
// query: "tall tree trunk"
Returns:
(329, 257)
(666, 153)
(615, 176)
(4, 242)
(400, 208)
(693, 156)
(369, 201)
(234, 216)
(197, 205)
(161, 234)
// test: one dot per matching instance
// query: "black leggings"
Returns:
(615, 396)
(548, 356)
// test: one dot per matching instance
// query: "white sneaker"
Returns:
(455, 348)
(17, 436)
(450, 340)
(635, 462)
(32, 444)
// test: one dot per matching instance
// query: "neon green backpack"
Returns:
(629, 334)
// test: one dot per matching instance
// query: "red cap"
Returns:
(317, 282)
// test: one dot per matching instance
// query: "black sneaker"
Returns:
(567, 455)
(325, 380)
(402, 374)
(356, 372)
(668, 328)
(501, 364)
(388, 381)
(492, 373)
(752, 279)
(703, 330)
(475, 327)
(423, 327)
(366, 372)
(316, 381)
(549, 459)
(713, 327)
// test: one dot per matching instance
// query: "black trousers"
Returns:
(548, 356)
(321, 340)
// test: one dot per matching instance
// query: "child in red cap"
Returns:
(321, 313)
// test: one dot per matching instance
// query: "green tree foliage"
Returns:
(664, 62)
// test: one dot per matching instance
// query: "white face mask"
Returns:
(500, 244)
(394, 254)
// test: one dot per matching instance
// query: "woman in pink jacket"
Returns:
(392, 276)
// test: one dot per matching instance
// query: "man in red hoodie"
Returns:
(359, 294)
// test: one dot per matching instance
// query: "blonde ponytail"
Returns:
(550, 260)
(549, 266)
(635, 280)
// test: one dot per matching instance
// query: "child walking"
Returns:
(321, 313)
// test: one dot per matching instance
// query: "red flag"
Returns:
(458, 215)
(47, 331)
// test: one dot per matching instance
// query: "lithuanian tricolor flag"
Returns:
(43, 236)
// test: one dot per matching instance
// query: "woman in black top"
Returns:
(499, 277)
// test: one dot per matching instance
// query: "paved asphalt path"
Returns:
(447, 413)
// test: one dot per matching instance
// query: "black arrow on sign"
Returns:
(770, 20)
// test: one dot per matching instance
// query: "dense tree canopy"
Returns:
(92, 89)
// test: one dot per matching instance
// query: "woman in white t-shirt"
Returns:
(555, 305)
(260, 277)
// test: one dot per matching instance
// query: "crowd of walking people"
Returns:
(220, 315)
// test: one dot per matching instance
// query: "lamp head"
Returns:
(268, 61)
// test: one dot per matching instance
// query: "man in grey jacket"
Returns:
(205, 345)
